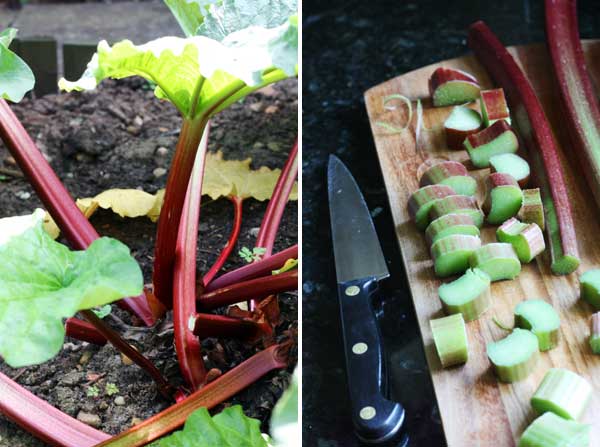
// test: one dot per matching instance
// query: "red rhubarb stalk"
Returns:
(254, 289)
(235, 232)
(43, 420)
(81, 330)
(170, 214)
(540, 143)
(187, 345)
(76, 228)
(582, 112)
(221, 389)
(276, 206)
(209, 325)
(257, 269)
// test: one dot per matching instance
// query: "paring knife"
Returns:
(360, 265)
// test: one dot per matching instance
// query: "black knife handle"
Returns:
(376, 419)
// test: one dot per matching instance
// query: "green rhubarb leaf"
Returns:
(230, 428)
(198, 74)
(284, 421)
(16, 78)
(189, 13)
(42, 282)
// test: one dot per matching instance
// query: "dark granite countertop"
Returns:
(350, 46)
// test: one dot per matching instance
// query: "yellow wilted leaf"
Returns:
(234, 178)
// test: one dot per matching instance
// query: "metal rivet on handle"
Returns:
(352, 290)
(359, 348)
(367, 413)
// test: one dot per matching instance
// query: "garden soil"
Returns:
(120, 136)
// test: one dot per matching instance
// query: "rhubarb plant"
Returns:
(42, 282)
(232, 53)
(16, 78)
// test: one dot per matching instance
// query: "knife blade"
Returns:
(360, 265)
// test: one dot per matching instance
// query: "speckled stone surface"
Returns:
(350, 46)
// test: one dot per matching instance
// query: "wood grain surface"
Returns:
(476, 409)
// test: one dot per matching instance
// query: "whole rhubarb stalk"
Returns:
(539, 140)
(580, 104)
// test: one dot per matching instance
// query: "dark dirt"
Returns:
(109, 139)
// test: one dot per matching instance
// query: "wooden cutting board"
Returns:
(476, 409)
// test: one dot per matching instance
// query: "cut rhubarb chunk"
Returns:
(457, 205)
(450, 173)
(497, 139)
(468, 295)
(526, 239)
(550, 430)
(532, 210)
(498, 260)
(461, 123)
(589, 286)
(451, 254)
(539, 317)
(450, 339)
(503, 197)
(421, 200)
(448, 86)
(493, 107)
(511, 164)
(515, 356)
(450, 224)
(563, 393)
(595, 333)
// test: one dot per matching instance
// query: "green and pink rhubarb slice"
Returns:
(563, 393)
(498, 260)
(503, 197)
(450, 224)
(468, 295)
(493, 107)
(532, 209)
(448, 86)
(595, 333)
(457, 205)
(497, 139)
(511, 164)
(515, 356)
(451, 254)
(451, 173)
(420, 202)
(450, 339)
(539, 317)
(461, 123)
(526, 239)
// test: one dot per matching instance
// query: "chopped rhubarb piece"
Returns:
(461, 123)
(515, 356)
(563, 393)
(539, 140)
(526, 239)
(493, 106)
(457, 205)
(497, 139)
(532, 210)
(451, 224)
(595, 333)
(589, 286)
(468, 295)
(451, 254)
(511, 164)
(498, 260)
(421, 200)
(450, 173)
(539, 317)
(550, 430)
(450, 339)
(503, 197)
(448, 86)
